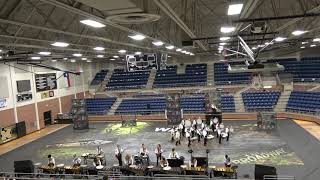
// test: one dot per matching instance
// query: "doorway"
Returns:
(47, 118)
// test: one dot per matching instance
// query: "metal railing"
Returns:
(278, 177)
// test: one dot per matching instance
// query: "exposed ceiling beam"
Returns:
(248, 9)
(165, 7)
(277, 18)
(242, 35)
(293, 21)
(79, 35)
(93, 17)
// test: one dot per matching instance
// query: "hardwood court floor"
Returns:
(12, 145)
(311, 127)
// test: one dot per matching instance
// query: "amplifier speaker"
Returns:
(261, 170)
(25, 166)
(21, 129)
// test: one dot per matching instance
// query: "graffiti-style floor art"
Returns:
(247, 145)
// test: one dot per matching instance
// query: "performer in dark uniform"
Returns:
(158, 151)
(118, 152)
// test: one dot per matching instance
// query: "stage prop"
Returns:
(23, 166)
(261, 170)
(80, 116)
(130, 121)
(266, 120)
(173, 113)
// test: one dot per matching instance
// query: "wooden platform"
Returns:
(4, 148)
(312, 127)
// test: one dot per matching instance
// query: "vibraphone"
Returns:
(219, 171)
(195, 171)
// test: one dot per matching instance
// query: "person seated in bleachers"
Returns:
(51, 161)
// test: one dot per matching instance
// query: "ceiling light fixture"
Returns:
(100, 56)
(254, 48)
(280, 39)
(137, 53)
(137, 37)
(73, 60)
(304, 42)
(89, 61)
(169, 56)
(36, 58)
(77, 55)
(235, 9)
(112, 59)
(65, 59)
(227, 29)
(224, 38)
(60, 44)
(313, 45)
(178, 50)
(169, 47)
(191, 54)
(183, 51)
(302, 47)
(298, 32)
(116, 56)
(222, 44)
(84, 59)
(158, 43)
(54, 60)
(98, 48)
(45, 53)
(316, 39)
(122, 51)
(92, 23)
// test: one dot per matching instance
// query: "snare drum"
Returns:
(188, 123)
(199, 121)
(99, 167)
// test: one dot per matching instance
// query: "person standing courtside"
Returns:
(118, 152)
(158, 151)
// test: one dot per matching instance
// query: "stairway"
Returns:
(103, 84)
(210, 75)
(115, 106)
(152, 76)
(282, 102)
(238, 101)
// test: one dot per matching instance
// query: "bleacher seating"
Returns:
(222, 77)
(99, 77)
(227, 104)
(193, 104)
(142, 106)
(306, 102)
(195, 75)
(121, 80)
(306, 70)
(99, 106)
(260, 101)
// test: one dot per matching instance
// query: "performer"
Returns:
(99, 150)
(172, 132)
(158, 151)
(192, 131)
(118, 153)
(51, 161)
(96, 162)
(188, 136)
(128, 160)
(183, 127)
(227, 162)
(173, 154)
(163, 162)
(76, 161)
(193, 162)
(204, 133)
(228, 133)
(199, 134)
(194, 124)
(177, 137)
(144, 152)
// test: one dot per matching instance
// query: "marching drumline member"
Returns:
(188, 136)
(177, 137)
(193, 162)
(144, 152)
(204, 133)
(199, 134)
(158, 151)
(118, 153)
(99, 150)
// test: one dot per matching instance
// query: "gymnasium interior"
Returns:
(160, 89)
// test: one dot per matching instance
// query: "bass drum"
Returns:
(188, 123)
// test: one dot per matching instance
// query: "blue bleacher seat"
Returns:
(142, 105)
(193, 104)
(99, 106)
(195, 75)
(121, 80)
(306, 102)
(99, 77)
(260, 101)
(227, 104)
(222, 77)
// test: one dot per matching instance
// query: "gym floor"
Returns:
(290, 148)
